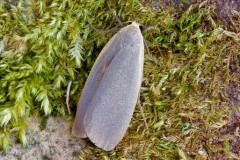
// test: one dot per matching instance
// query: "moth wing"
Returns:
(94, 78)
(110, 111)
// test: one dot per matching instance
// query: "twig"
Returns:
(68, 96)
(141, 110)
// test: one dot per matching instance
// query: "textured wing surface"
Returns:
(111, 108)
(109, 51)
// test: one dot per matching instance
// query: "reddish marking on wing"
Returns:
(103, 72)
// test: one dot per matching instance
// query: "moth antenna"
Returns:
(149, 28)
(68, 96)
(145, 43)
(141, 110)
(114, 15)
(149, 54)
(103, 31)
(121, 24)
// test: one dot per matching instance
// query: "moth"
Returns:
(112, 88)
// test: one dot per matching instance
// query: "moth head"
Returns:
(142, 28)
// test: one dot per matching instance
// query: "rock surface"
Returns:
(55, 142)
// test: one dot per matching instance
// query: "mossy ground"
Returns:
(190, 96)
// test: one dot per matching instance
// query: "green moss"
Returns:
(46, 44)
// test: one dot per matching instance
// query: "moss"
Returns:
(46, 44)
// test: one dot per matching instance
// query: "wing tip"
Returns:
(99, 140)
(106, 146)
(77, 130)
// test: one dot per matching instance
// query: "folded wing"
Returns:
(112, 104)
